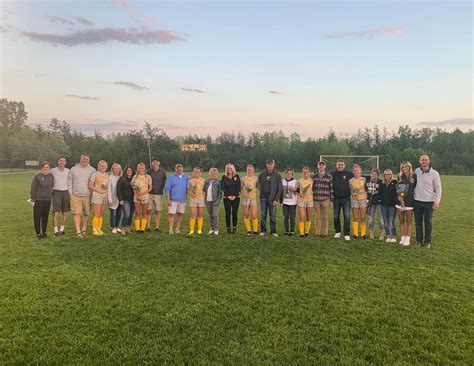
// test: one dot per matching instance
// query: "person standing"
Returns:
(374, 199)
(388, 193)
(323, 198)
(304, 187)
(141, 184)
(41, 194)
(271, 189)
(158, 180)
(213, 193)
(342, 199)
(231, 183)
(176, 188)
(78, 187)
(61, 199)
(125, 195)
(99, 185)
(249, 202)
(405, 200)
(358, 202)
(427, 198)
(115, 209)
(288, 199)
(196, 200)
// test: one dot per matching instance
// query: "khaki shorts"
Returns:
(193, 202)
(156, 200)
(359, 204)
(80, 204)
(305, 204)
(177, 207)
(249, 202)
(144, 200)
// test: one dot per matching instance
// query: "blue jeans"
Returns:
(128, 210)
(267, 206)
(423, 212)
(115, 217)
(345, 204)
(374, 208)
(388, 213)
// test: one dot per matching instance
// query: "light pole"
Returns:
(148, 140)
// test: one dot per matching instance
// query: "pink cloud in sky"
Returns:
(371, 33)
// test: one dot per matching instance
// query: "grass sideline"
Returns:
(153, 298)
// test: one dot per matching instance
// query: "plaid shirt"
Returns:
(322, 187)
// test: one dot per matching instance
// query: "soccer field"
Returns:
(155, 298)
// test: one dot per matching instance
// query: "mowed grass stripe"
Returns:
(153, 298)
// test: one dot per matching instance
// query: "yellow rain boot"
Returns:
(247, 224)
(301, 227)
(355, 228)
(255, 225)
(200, 222)
(143, 227)
(137, 225)
(192, 222)
(307, 227)
(363, 229)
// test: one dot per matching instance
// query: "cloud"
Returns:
(104, 126)
(61, 20)
(193, 90)
(131, 85)
(449, 122)
(274, 125)
(138, 36)
(168, 126)
(41, 75)
(86, 97)
(371, 33)
(84, 21)
(4, 29)
(135, 15)
(275, 92)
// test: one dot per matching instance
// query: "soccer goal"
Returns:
(367, 162)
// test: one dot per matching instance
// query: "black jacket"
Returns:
(408, 190)
(388, 193)
(124, 189)
(373, 191)
(230, 186)
(276, 185)
(340, 181)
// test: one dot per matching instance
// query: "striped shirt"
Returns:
(357, 186)
(196, 186)
(323, 188)
(306, 189)
(249, 186)
(141, 183)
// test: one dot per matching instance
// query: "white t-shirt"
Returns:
(60, 179)
(209, 193)
(289, 197)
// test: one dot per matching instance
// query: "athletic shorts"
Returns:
(144, 200)
(305, 204)
(80, 204)
(61, 201)
(403, 209)
(358, 204)
(249, 202)
(99, 198)
(193, 202)
(156, 200)
(177, 207)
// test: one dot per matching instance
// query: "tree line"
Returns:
(450, 152)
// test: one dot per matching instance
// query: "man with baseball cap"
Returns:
(271, 189)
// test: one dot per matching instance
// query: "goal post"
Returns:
(367, 162)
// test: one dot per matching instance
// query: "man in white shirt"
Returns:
(427, 198)
(61, 200)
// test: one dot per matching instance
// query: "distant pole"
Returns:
(149, 148)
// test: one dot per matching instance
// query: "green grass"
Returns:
(242, 300)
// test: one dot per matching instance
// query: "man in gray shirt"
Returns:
(60, 195)
(427, 198)
(78, 187)
(158, 180)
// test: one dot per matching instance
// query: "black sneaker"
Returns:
(62, 232)
(248, 233)
(302, 236)
(291, 233)
(306, 234)
(363, 237)
(39, 236)
(229, 230)
(255, 233)
(148, 230)
(355, 237)
(234, 230)
(157, 229)
(57, 233)
(44, 236)
(419, 244)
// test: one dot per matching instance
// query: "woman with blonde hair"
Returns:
(388, 193)
(115, 209)
(99, 185)
(358, 202)
(249, 202)
(304, 201)
(231, 188)
(405, 200)
(213, 193)
(196, 200)
(142, 185)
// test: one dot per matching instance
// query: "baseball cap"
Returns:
(270, 161)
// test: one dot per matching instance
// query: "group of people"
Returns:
(131, 196)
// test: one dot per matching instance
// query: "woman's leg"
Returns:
(227, 207)
(355, 222)
(286, 219)
(292, 218)
(138, 212)
(391, 218)
(409, 222)
(302, 219)
(253, 211)
(192, 220)
(362, 224)
(37, 209)
(45, 216)
(246, 209)
(308, 214)
(401, 218)
(371, 220)
(144, 213)
(235, 214)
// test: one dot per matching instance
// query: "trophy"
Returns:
(401, 193)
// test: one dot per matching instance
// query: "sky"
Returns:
(204, 67)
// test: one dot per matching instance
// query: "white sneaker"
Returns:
(275, 235)
(171, 232)
(216, 232)
(406, 242)
(337, 235)
(347, 237)
(262, 234)
(211, 232)
(177, 231)
(114, 231)
(119, 230)
(389, 240)
(402, 240)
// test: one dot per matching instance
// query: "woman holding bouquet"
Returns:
(99, 184)
(196, 200)
(249, 202)
(405, 200)
(358, 202)
(304, 201)
(141, 184)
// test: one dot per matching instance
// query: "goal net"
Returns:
(367, 162)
